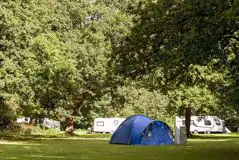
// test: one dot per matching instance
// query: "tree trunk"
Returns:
(70, 125)
(187, 121)
(31, 121)
(70, 122)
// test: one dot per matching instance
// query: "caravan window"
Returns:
(199, 118)
(100, 123)
(207, 122)
(217, 121)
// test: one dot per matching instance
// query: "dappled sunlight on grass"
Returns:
(210, 140)
(22, 137)
(74, 138)
(17, 143)
(9, 158)
(45, 156)
(215, 136)
(94, 149)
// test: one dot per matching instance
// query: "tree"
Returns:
(176, 36)
(193, 99)
(56, 54)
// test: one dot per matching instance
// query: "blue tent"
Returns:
(141, 130)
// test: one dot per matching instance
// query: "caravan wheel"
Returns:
(195, 132)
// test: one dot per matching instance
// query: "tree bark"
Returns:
(70, 122)
(187, 121)
(70, 125)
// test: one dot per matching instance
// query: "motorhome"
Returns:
(106, 125)
(204, 124)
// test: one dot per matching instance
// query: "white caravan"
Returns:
(23, 120)
(203, 124)
(50, 123)
(44, 122)
(106, 125)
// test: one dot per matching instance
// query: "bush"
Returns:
(7, 116)
(80, 131)
(28, 131)
(232, 124)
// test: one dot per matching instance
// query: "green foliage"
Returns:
(65, 58)
(200, 99)
(142, 101)
(187, 50)
(55, 54)
(7, 115)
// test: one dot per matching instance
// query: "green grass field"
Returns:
(210, 147)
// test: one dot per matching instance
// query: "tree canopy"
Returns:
(84, 59)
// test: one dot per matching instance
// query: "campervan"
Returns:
(106, 125)
(204, 124)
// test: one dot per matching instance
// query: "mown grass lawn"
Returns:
(200, 148)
